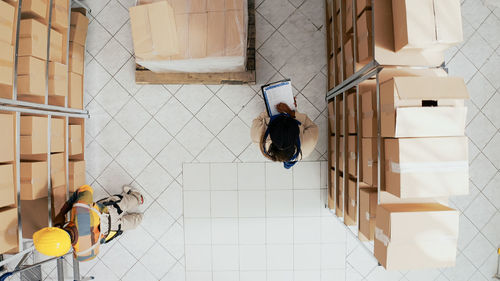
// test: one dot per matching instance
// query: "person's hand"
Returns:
(284, 108)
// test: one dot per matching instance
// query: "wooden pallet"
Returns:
(146, 76)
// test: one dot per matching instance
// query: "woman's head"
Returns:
(284, 133)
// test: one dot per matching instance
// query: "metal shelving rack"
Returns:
(18, 108)
(381, 57)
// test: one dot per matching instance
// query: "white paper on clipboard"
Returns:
(276, 93)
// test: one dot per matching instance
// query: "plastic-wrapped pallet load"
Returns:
(190, 35)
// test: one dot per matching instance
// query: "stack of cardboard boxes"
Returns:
(190, 35)
(7, 40)
(76, 153)
(78, 36)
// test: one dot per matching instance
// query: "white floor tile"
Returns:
(197, 231)
(158, 261)
(199, 258)
(307, 256)
(252, 275)
(280, 257)
(279, 230)
(307, 229)
(225, 231)
(306, 175)
(224, 204)
(225, 257)
(196, 176)
(279, 203)
(252, 257)
(173, 241)
(251, 176)
(306, 203)
(278, 177)
(252, 203)
(333, 256)
(226, 276)
(171, 200)
(252, 231)
(197, 204)
(152, 97)
(223, 176)
(199, 276)
(215, 115)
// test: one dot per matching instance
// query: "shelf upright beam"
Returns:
(358, 149)
(49, 164)
(49, 27)
(379, 141)
(18, 181)
(66, 100)
(16, 50)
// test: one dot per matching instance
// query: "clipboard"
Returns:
(278, 92)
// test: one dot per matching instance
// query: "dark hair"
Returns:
(284, 133)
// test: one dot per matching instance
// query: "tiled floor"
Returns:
(143, 135)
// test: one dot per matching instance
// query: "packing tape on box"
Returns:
(371, 162)
(380, 236)
(353, 202)
(429, 167)
(367, 215)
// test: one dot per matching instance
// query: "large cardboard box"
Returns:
(57, 169)
(34, 215)
(369, 123)
(56, 43)
(361, 5)
(352, 199)
(423, 106)
(369, 157)
(34, 135)
(58, 79)
(7, 187)
(76, 58)
(7, 148)
(6, 69)
(416, 236)
(352, 126)
(153, 31)
(7, 13)
(352, 156)
(364, 37)
(33, 39)
(75, 97)
(31, 76)
(349, 58)
(34, 180)
(75, 140)
(448, 17)
(78, 28)
(8, 230)
(34, 9)
(367, 212)
(60, 14)
(348, 15)
(426, 167)
(76, 175)
(57, 136)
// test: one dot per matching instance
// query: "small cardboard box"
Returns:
(349, 59)
(34, 180)
(8, 230)
(340, 198)
(58, 199)
(332, 75)
(364, 36)
(57, 169)
(60, 14)
(153, 31)
(7, 187)
(33, 39)
(75, 140)
(369, 156)
(76, 58)
(341, 153)
(338, 70)
(348, 15)
(56, 43)
(369, 122)
(352, 199)
(78, 28)
(332, 150)
(352, 127)
(57, 135)
(216, 38)
(367, 212)
(31, 76)
(423, 106)
(414, 24)
(76, 175)
(58, 79)
(7, 147)
(75, 97)
(34, 9)
(416, 236)
(6, 69)
(7, 13)
(34, 215)
(34, 135)
(352, 156)
(426, 167)
(361, 5)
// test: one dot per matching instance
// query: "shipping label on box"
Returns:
(423, 106)
(34, 135)
(33, 39)
(7, 147)
(57, 137)
(367, 212)
(7, 13)
(34, 180)
(7, 187)
(31, 76)
(427, 167)
(8, 230)
(58, 79)
(78, 31)
(369, 157)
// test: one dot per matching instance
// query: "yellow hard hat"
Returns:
(52, 241)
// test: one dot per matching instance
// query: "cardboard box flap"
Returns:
(429, 150)
(430, 88)
(441, 121)
(448, 21)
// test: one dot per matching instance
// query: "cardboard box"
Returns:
(34, 215)
(6, 69)
(34, 135)
(349, 59)
(7, 13)
(414, 24)
(75, 140)
(352, 199)
(448, 18)
(364, 37)
(423, 106)
(57, 136)
(76, 175)
(369, 157)
(348, 15)
(78, 28)
(416, 236)
(7, 186)
(352, 127)
(58, 79)
(341, 117)
(361, 5)
(215, 5)
(75, 97)
(34, 180)
(369, 123)
(341, 154)
(339, 69)
(352, 156)
(8, 230)
(33, 39)
(215, 38)
(426, 167)
(7, 147)
(58, 199)
(340, 198)
(76, 58)
(182, 23)
(332, 74)
(198, 35)
(153, 31)
(57, 169)
(34, 9)
(31, 76)
(60, 15)
(331, 116)
(56, 46)
(367, 212)
(235, 32)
